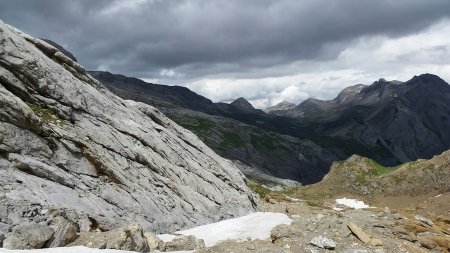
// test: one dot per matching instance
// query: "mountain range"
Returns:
(389, 121)
(404, 120)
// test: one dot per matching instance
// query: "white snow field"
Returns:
(255, 226)
(353, 203)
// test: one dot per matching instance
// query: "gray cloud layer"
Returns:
(183, 41)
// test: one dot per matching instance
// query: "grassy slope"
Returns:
(362, 177)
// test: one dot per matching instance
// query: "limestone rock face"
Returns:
(66, 142)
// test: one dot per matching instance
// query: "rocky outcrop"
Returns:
(65, 232)
(182, 243)
(67, 143)
(32, 236)
(153, 241)
(365, 177)
(127, 238)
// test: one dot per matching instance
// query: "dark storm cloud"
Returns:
(179, 41)
(142, 37)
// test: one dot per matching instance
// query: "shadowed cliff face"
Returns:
(68, 143)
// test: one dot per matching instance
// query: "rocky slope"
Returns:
(69, 146)
(409, 210)
(256, 149)
(320, 229)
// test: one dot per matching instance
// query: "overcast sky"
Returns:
(264, 50)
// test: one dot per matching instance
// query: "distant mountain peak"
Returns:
(427, 78)
(283, 105)
(349, 92)
(243, 104)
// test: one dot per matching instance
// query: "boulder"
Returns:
(65, 232)
(363, 236)
(28, 236)
(358, 231)
(184, 242)
(323, 242)
(129, 238)
(281, 231)
(424, 220)
(152, 240)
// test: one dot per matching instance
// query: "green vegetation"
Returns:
(231, 140)
(290, 191)
(396, 178)
(262, 139)
(259, 189)
(260, 180)
(198, 125)
(46, 115)
(361, 179)
(311, 203)
(379, 169)
(351, 146)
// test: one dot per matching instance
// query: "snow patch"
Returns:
(255, 226)
(352, 203)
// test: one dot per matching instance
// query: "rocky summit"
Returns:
(75, 157)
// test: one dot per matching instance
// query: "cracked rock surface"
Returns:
(67, 143)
